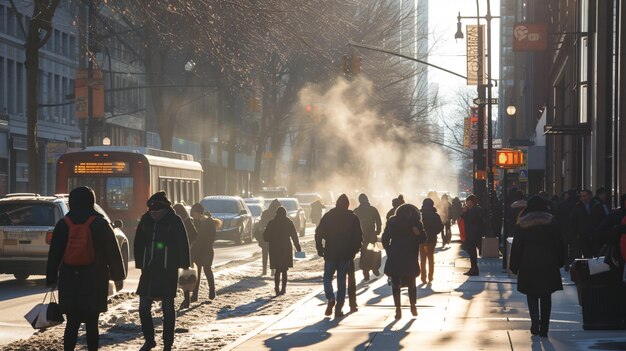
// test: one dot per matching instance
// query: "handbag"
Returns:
(45, 315)
(187, 278)
(597, 265)
(376, 255)
(299, 255)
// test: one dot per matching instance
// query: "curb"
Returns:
(241, 340)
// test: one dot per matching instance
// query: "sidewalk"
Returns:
(455, 313)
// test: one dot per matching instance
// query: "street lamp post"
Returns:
(490, 177)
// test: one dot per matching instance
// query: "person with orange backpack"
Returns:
(83, 257)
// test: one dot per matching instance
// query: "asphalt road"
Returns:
(16, 299)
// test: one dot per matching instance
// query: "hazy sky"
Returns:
(450, 54)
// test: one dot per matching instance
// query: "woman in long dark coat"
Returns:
(83, 289)
(192, 235)
(279, 233)
(403, 234)
(201, 251)
(536, 257)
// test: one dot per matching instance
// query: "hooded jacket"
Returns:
(537, 254)
(279, 233)
(432, 222)
(84, 289)
(338, 237)
(370, 220)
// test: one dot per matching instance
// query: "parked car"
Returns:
(235, 215)
(306, 199)
(254, 200)
(273, 192)
(294, 211)
(256, 210)
(26, 225)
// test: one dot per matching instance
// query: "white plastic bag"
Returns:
(597, 265)
(187, 278)
(45, 315)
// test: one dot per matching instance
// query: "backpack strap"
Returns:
(70, 224)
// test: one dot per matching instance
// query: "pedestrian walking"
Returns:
(371, 226)
(280, 233)
(562, 218)
(432, 226)
(192, 234)
(201, 251)
(83, 288)
(582, 226)
(337, 239)
(266, 217)
(456, 210)
(610, 232)
(316, 211)
(537, 257)
(401, 239)
(444, 210)
(395, 203)
(161, 248)
(474, 229)
(600, 208)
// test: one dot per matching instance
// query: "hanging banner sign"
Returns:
(475, 54)
(466, 133)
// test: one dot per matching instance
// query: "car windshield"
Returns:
(220, 206)
(289, 205)
(24, 214)
(308, 198)
(256, 210)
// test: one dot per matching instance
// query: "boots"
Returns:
(329, 307)
(414, 310)
(472, 272)
(543, 328)
(398, 313)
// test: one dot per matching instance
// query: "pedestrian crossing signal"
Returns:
(509, 158)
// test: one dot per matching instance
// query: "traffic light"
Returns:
(509, 158)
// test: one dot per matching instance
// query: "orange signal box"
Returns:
(509, 158)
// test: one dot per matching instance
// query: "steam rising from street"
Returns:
(362, 151)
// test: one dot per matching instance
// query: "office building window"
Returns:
(72, 47)
(65, 45)
(2, 19)
(20, 88)
(57, 41)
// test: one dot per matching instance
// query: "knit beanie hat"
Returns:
(158, 201)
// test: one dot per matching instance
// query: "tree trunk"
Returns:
(32, 80)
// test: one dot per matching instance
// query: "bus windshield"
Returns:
(115, 193)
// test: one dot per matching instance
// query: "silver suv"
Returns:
(26, 225)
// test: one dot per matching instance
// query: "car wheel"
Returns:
(238, 236)
(20, 277)
(248, 238)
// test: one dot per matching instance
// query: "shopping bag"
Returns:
(45, 315)
(376, 255)
(597, 265)
(187, 278)
(461, 223)
(299, 255)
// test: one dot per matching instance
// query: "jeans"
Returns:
(427, 252)
(169, 319)
(351, 285)
(330, 267)
(71, 330)
(543, 316)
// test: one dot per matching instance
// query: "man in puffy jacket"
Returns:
(161, 248)
(338, 239)
(83, 289)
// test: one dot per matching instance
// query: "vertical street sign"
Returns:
(475, 54)
(530, 37)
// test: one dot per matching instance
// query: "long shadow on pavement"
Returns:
(390, 343)
(307, 336)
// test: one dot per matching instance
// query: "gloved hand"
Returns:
(320, 253)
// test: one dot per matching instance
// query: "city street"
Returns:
(18, 298)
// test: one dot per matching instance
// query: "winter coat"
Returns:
(338, 237)
(266, 217)
(581, 221)
(370, 222)
(563, 217)
(611, 231)
(85, 288)
(279, 233)
(456, 209)
(432, 224)
(316, 211)
(512, 215)
(402, 247)
(391, 213)
(474, 225)
(190, 228)
(161, 248)
(202, 247)
(599, 211)
(537, 254)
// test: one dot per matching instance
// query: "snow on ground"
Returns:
(245, 301)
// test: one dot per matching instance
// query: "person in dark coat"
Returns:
(316, 211)
(371, 225)
(401, 239)
(474, 229)
(192, 234)
(395, 203)
(581, 224)
(444, 211)
(202, 248)
(266, 217)
(600, 208)
(537, 257)
(161, 248)
(563, 217)
(338, 238)
(432, 226)
(611, 229)
(456, 209)
(279, 233)
(83, 290)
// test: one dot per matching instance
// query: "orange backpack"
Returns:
(79, 250)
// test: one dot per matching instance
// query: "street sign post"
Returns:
(483, 101)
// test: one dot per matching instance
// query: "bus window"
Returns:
(120, 193)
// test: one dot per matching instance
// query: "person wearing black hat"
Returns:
(280, 233)
(537, 256)
(161, 248)
(338, 238)
(83, 290)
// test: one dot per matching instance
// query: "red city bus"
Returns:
(125, 177)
